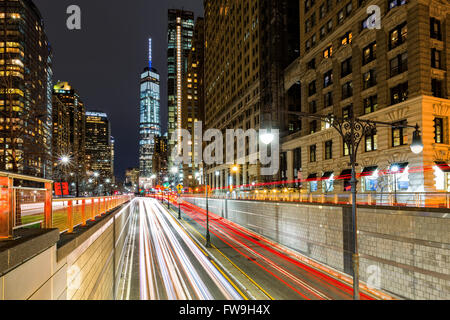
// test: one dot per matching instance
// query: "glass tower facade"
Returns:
(180, 33)
(150, 126)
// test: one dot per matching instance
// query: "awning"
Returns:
(368, 171)
(443, 166)
(327, 175)
(312, 177)
(401, 167)
(345, 174)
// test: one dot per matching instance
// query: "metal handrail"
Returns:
(408, 199)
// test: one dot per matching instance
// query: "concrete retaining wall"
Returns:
(84, 265)
(408, 248)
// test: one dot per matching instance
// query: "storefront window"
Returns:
(439, 177)
(401, 179)
(371, 182)
(312, 182)
(328, 185)
(442, 176)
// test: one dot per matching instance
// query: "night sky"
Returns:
(104, 59)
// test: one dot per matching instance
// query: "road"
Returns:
(165, 263)
(269, 270)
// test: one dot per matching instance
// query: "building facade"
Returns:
(247, 47)
(193, 109)
(98, 147)
(25, 93)
(149, 121)
(60, 136)
(160, 160)
(132, 179)
(113, 155)
(396, 74)
(75, 112)
(180, 33)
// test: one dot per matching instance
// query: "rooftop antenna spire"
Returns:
(150, 52)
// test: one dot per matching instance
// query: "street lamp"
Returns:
(417, 145)
(235, 170)
(267, 138)
(395, 169)
(353, 130)
(65, 160)
(208, 236)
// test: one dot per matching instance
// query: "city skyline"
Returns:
(119, 98)
(307, 152)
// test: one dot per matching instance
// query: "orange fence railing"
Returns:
(27, 202)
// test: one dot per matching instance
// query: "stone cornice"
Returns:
(394, 17)
(343, 53)
(325, 65)
(438, 8)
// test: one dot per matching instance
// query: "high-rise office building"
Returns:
(25, 90)
(113, 154)
(60, 138)
(132, 179)
(193, 97)
(150, 126)
(98, 145)
(160, 160)
(75, 111)
(248, 44)
(180, 33)
(396, 74)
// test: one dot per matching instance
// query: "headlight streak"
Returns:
(215, 275)
(224, 227)
(129, 256)
(162, 256)
(271, 263)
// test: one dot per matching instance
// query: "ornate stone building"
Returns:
(248, 44)
(396, 74)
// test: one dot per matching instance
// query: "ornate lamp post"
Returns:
(353, 130)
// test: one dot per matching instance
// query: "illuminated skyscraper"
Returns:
(193, 97)
(180, 33)
(74, 110)
(98, 145)
(149, 118)
(26, 90)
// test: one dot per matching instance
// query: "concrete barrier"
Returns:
(84, 265)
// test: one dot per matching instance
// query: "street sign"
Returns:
(180, 188)
(58, 190)
(179, 201)
(65, 188)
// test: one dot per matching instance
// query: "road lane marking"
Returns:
(234, 265)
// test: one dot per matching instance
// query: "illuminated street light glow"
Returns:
(417, 144)
(64, 160)
(267, 138)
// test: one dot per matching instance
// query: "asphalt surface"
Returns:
(166, 260)
(267, 270)
(163, 262)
